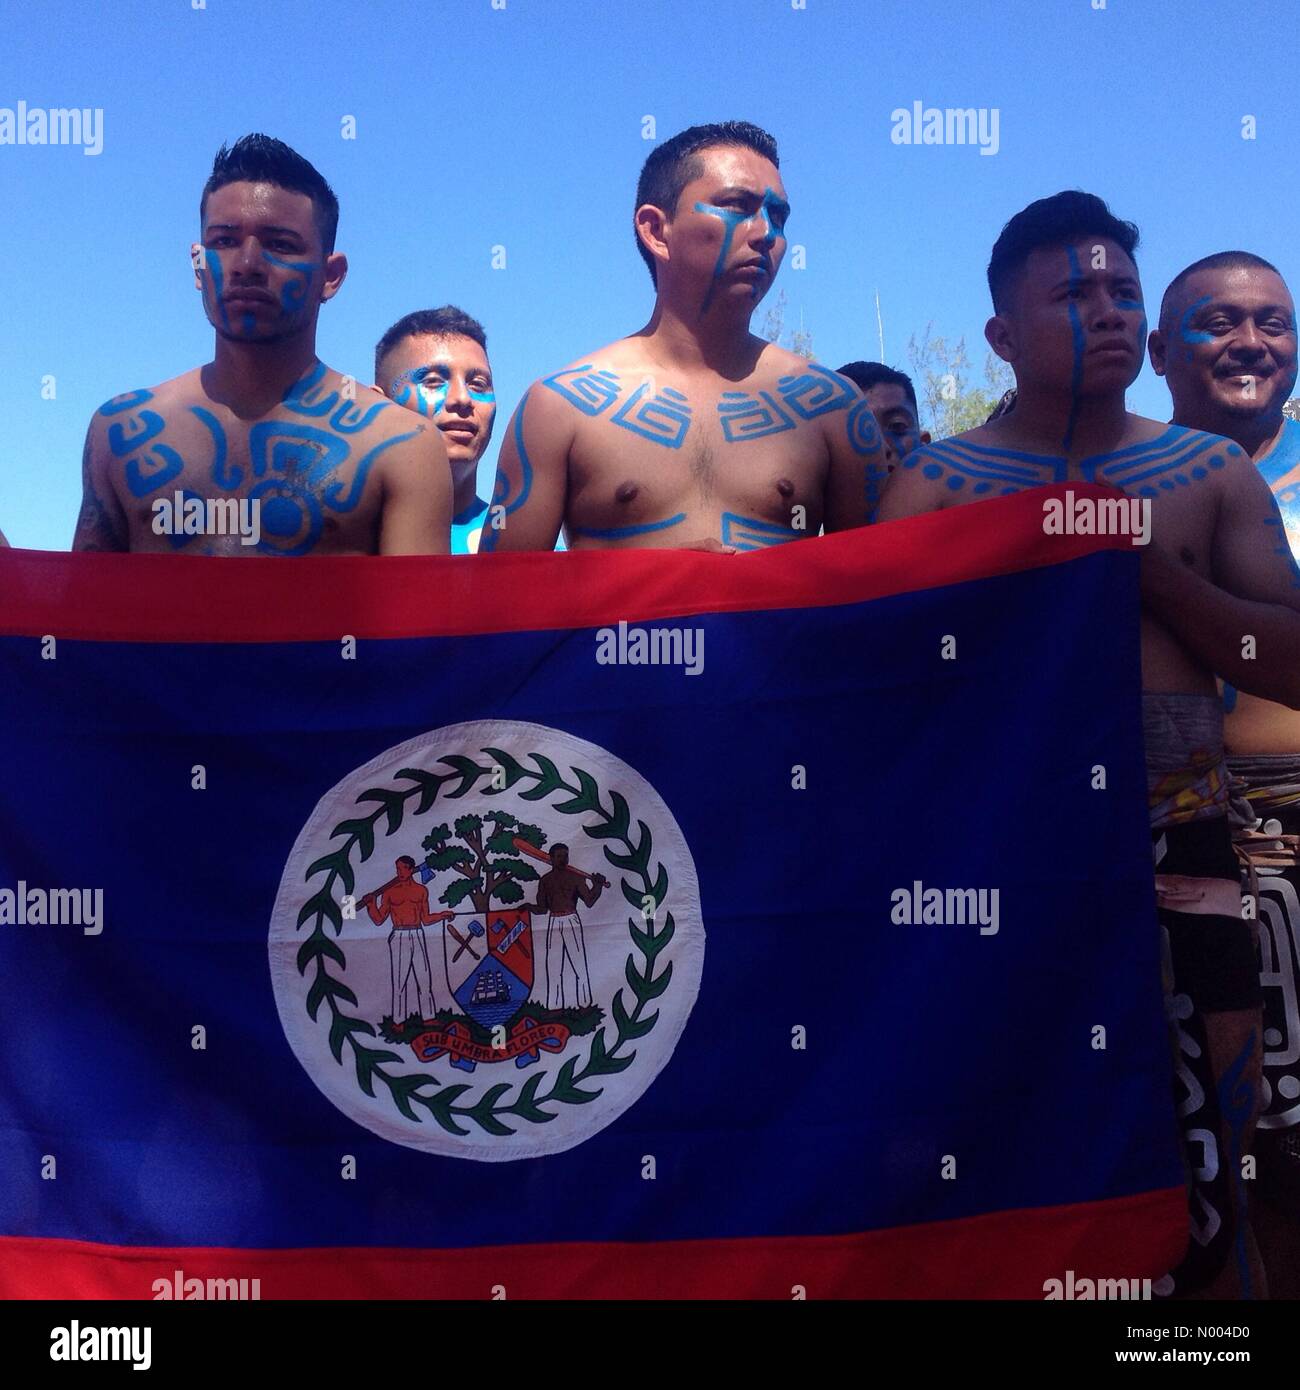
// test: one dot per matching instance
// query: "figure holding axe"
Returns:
(406, 903)
(558, 893)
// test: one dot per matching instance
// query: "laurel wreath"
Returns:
(411, 1088)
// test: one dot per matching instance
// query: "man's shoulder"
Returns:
(179, 390)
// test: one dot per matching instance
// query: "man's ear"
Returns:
(925, 436)
(651, 225)
(336, 270)
(1158, 351)
(198, 263)
(1001, 337)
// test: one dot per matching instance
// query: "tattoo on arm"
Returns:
(99, 526)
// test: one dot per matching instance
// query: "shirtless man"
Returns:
(892, 398)
(1226, 346)
(558, 893)
(435, 363)
(406, 903)
(332, 468)
(693, 432)
(1069, 319)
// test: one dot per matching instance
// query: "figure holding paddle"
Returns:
(557, 894)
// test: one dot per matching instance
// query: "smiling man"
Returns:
(325, 466)
(1226, 347)
(1069, 319)
(435, 363)
(692, 432)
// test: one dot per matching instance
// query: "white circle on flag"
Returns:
(506, 1004)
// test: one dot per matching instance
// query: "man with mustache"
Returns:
(692, 432)
(1069, 319)
(323, 466)
(1226, 346)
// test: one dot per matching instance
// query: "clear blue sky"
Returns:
(522, 127)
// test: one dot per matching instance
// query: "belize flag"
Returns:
(636, 924)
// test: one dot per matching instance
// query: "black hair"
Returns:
(1054, 221)
(406, 859)
(672, 165)
(442, 322)
(869, 374)
(1221, 260)
(261, 159)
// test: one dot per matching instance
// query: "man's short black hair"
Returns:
(1221, 260)
(441, 322)
(869, 374)
(559, 845)
(672, 165)
(406, 859)
(1054, 221)
(261, 159)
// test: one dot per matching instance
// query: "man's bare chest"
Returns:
(308, 476)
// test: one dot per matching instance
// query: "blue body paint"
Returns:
(748, 533)
(293, 296)
(295, 450)
(662, 419)
(216, 280)
(501, 489)
(1185, 330)
(731, 218)
(622, 533)
(223, 475)
(346, 503)
(747, 417)
(864, 433)
(127, 401)
(816, 392)
(590, 390)
(146, 476)
(126, 438)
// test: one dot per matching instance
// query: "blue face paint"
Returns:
(216, 283)
(248, 323)
(488, 397)
(410, 390)
(294, 295)
(731, 218)
(1185, 330)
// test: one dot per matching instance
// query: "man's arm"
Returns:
(101, 523)
(909, 492)
(1256, 594)
(532, 483)
(589, 894)
(857, 471)
(416, 500)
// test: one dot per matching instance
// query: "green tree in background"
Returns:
(949, 402)
(774, 327)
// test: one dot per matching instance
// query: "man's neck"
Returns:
(252, 378)
(463, 494)
(718, 339)
(1255, 433)
(1048, 423)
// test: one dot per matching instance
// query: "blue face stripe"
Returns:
(1185, 330)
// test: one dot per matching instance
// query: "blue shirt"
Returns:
(467, 528)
